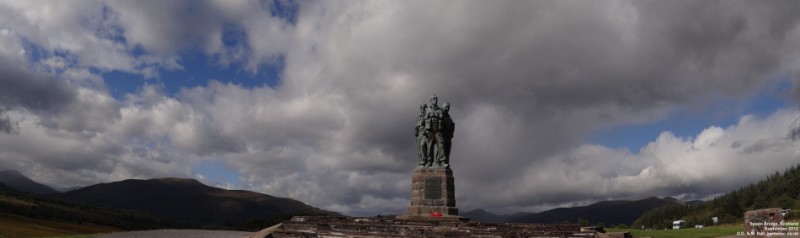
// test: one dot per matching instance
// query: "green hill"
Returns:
(777, 190)
(142, 204)
(190, 201)
(14, 205)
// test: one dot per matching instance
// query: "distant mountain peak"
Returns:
(16, 180)
(12, 172)
(671, 199)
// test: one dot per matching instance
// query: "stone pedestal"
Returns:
(432, 194)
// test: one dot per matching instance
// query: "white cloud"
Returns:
(527, 80)
(714, 161)
(90, 32)
(11, 46)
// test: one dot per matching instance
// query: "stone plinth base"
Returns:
(432, 196)
(431, 218)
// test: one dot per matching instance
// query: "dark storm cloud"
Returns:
(6, 125)
(32, 91)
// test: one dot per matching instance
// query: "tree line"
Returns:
(777, 190)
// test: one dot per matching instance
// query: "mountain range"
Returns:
(186, 201)
(24, 212)
(606, 212)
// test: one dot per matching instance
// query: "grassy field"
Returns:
(19, 226)
(711, 231)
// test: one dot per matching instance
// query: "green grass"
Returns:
(15, 201)
(18, 226)
(710, 231)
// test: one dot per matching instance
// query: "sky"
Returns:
(556, 103)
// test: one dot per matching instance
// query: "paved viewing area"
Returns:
(316, 226)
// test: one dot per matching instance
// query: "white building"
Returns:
(678, 224)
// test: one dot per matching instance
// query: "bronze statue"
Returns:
(434, 132)
(422, 136)
(449, 129)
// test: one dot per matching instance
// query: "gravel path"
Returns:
(175, 234)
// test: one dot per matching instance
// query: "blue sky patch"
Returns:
(216, 171)
(689, 121)
(198, 70)
(285, 9)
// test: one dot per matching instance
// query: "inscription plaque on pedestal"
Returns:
(433, 188)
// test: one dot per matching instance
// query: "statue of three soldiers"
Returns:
(434, 130)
